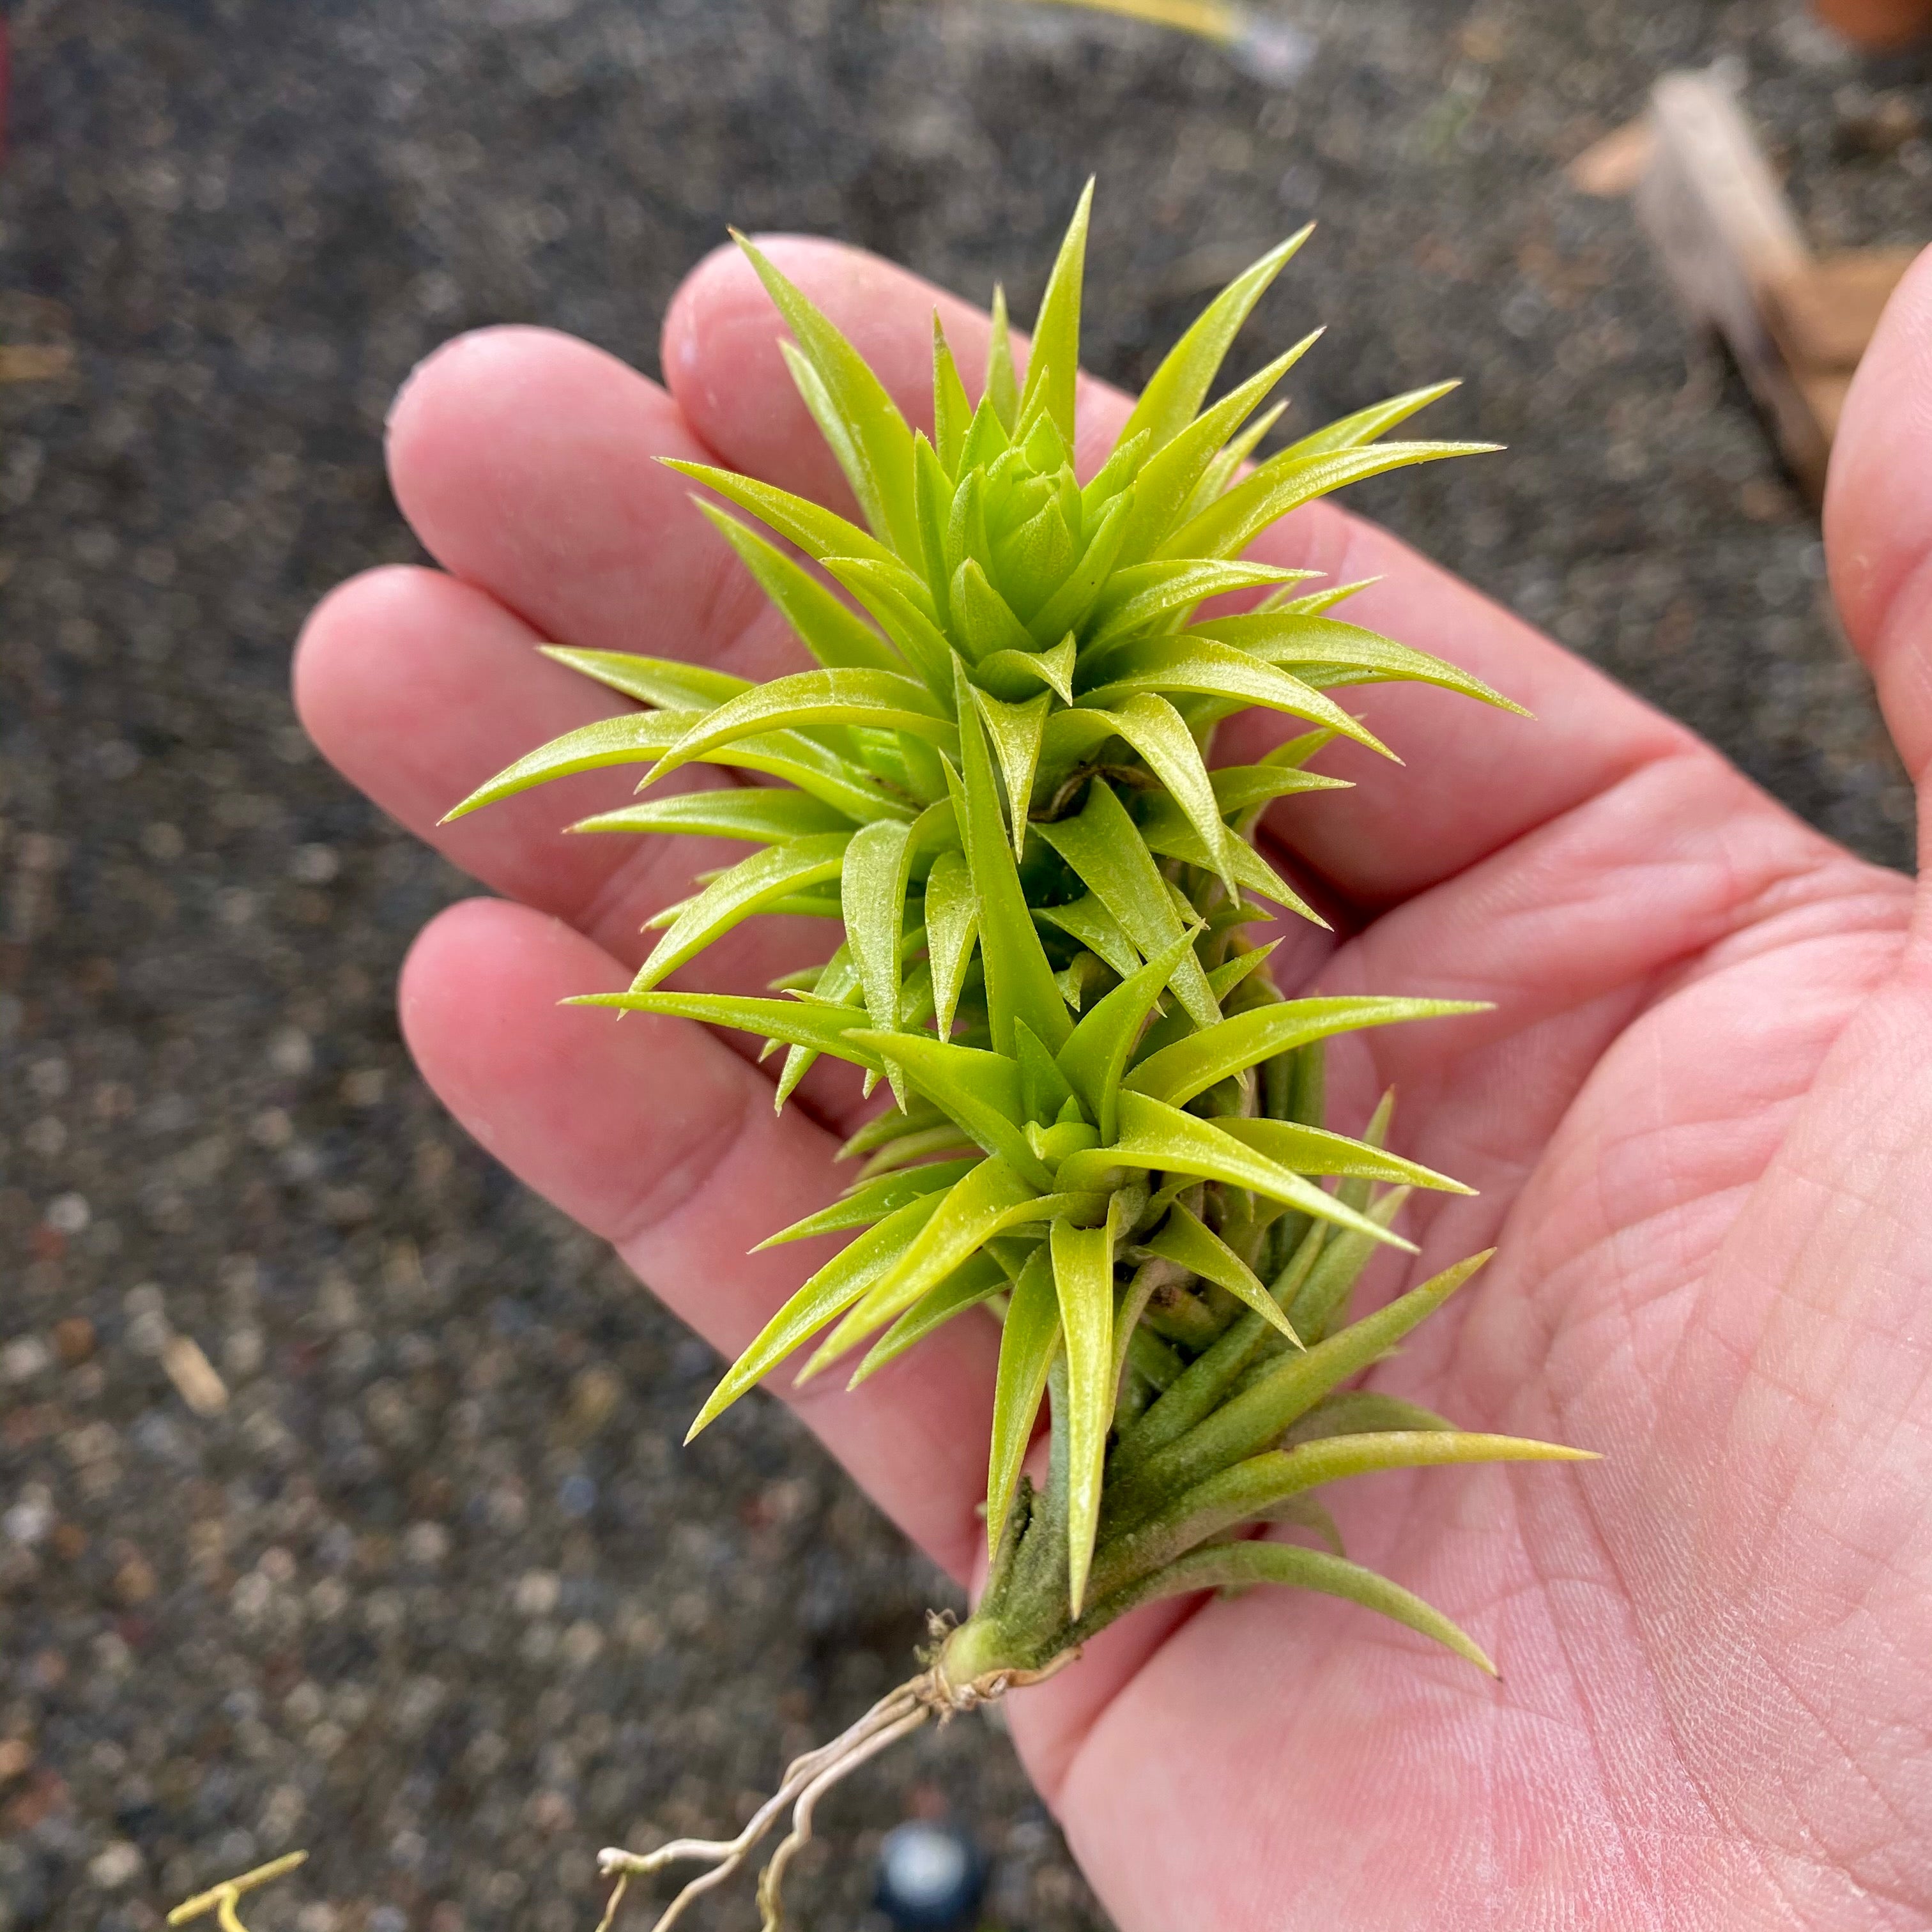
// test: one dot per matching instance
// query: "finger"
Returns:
(1478, 778)
(1878, 514)
(661, 1141)
(418, 687)
(527, 462)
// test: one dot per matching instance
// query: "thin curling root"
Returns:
(224, 1899)
(896, 1715)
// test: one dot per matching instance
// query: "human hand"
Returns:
(1699, 1115)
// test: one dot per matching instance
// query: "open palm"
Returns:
(1700, 1116)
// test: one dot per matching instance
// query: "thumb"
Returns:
(1878, 515)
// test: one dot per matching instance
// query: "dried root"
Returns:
(224, 1900)
(896, 1715)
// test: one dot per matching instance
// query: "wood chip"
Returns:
(1717, 217)
(1824, 317)
(1612, 167)
(193, 1375)
(36, 362)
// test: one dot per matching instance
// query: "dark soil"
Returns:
(437, 1595)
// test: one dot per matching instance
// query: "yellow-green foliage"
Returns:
(1108, 1124)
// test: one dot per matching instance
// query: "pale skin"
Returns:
(1699, 1117)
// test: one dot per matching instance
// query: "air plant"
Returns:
(1106, 1127)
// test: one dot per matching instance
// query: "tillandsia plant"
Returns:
(1106, 1125)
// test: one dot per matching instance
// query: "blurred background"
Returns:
(340, 1503)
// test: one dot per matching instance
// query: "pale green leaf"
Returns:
(1016, 676)
(1019, 981)
(1254, 1417)
(839, 1283)
(1227, 462)
(945, 1139)
(762, 813)
(1291, 637)
(1083, 1275)
(1106, 851)
(1316, 602)
(1053, 365)
(811, 698)
(666, 682)
(1044, 1090)
(1201, 664)
(978, 1091)
(1239, 788)
(1190, 1067)
(872, 886)
(818, 531)
(972, 1209)
(841, 437)
(1232, 970)
(1169, 833)
(1097, 1052)
(1315, 1150)
(1114, 476)
(1365, 426)
(745, 889)
(1160, 735)
(1000, 397)
(1332, 1459)
(1321, 1299)
(1259, 1486)
(988, 1203)
(1015, 731)
(951, 925)
(1037, 557)
(1237, 1565)
(886, 591)
(823, 1028)
(870, 1201)
(1068, 607)
(1186, 1239)
(1143, 595)
(638, 737)
(1361, 1411)
(833, 634)
(1297, 752)
(1177, 389)
(976, 1283)
(966, 523)
(1168, 480)
(1232, 522)
(982, 620)
(879, 464)
(894, 1123)
(986, 442)
(1027, 1346)
(952, 413)
(1086, 919)
(1155, 1136)
(932, 500)
(814, 768)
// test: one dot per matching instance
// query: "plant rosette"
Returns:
(1106, 1126)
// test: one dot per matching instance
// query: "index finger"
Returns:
(1477, 779)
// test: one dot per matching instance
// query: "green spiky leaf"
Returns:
(1000, 787)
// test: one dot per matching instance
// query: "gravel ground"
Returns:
(436, 1594)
